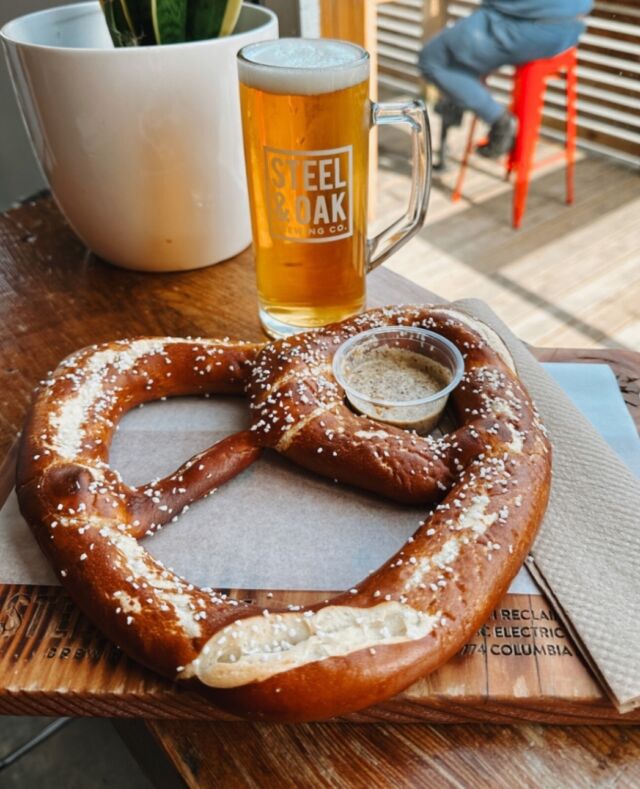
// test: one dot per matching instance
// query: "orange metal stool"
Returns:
(527, 104)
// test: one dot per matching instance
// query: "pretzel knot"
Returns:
(487, 486)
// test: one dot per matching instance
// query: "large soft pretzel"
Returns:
(298, 663)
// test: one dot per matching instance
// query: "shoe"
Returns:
(450, 112)
(440, 165)
(502, 137)
(440, 158)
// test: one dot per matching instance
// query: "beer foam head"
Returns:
(303, 66)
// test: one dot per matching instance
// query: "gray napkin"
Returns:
(587, 555)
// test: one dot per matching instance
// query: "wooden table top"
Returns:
(55, 298)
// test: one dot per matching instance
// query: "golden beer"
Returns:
(306, 118)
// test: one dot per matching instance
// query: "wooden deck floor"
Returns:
(570, 277)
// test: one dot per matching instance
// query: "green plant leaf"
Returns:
(230, 19)
(109, 8)
(122, 5)
(204, 18)
(212, 18)
(146, 22)
(129, 22)
(138, 13)
(169, 20)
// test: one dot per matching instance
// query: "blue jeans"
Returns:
(457, 58)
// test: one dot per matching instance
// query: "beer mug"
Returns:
(306, 118)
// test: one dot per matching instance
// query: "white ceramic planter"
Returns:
(142, 147)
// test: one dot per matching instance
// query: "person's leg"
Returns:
(451, 115)
(456, 59)
(523, 41)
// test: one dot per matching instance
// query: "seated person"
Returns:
(501, 32)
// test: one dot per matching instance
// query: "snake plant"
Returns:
(135, 23)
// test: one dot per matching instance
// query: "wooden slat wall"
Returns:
(608, 71)
(400, 36)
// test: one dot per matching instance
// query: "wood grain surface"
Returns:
(55, 298)
(408, 756)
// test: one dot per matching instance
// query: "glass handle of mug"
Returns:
(414, 114)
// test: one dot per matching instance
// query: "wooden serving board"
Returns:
(520, 666)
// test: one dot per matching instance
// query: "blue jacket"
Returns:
(540, 9)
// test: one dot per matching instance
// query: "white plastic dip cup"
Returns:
(399, 375)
